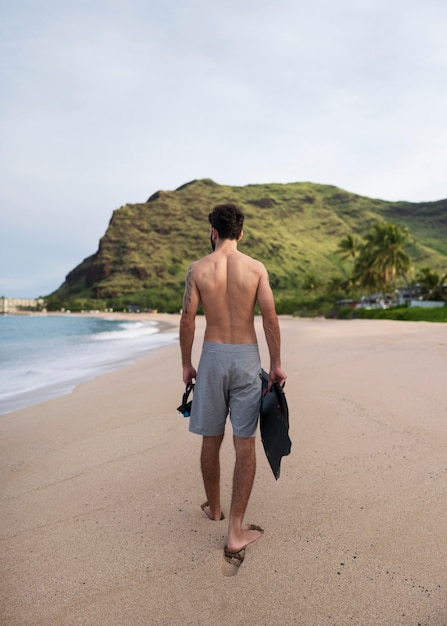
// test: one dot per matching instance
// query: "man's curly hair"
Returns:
(228, 220)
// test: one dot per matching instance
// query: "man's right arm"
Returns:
(266, 303)
(191, 300)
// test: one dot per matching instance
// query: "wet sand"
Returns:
(101, 490)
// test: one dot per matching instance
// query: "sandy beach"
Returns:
(101, 490)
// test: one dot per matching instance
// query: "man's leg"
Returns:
(210, 464)
(244, 474)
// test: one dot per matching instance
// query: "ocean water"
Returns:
(42, 357)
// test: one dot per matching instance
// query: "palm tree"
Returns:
(383, 254)
(311, 283)
(365, 273)
(433, 285)
(335, 286)
(341, 285)
(392, 258)
(349, 247)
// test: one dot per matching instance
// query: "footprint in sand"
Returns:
(232, 561)
(204, 506)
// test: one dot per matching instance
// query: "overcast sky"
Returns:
(103, 102)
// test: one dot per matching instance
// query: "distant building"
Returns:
(427, 304)
(21, 305)
(407, 294)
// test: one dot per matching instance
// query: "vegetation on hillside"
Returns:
(317, 241)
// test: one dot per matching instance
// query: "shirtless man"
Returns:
(228, 283)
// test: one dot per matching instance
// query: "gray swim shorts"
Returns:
(228, 381)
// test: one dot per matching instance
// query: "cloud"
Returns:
(104, 102)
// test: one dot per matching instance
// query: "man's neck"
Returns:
(226, 245)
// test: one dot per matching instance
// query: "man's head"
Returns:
(228, 220)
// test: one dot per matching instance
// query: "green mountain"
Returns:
(293, 228)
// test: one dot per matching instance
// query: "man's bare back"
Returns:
(228, 281)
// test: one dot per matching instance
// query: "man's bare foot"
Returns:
(207, 510)
(245, 537)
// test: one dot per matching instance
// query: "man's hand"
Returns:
(189, 372)
(276, 375)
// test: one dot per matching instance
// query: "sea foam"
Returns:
(42, 357)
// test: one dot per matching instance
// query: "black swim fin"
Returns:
(274, 424)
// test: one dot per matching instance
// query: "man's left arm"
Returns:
(266, 304)
(191, 300)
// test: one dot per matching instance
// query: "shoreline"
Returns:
(101, 493)
(164, 322)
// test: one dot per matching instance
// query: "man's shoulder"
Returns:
(255, 263)
(200, 260)
(199, 265)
